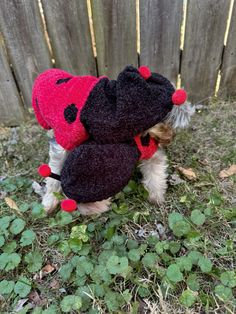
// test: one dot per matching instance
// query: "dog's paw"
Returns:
(157, 198)
(87, 209)
(49, 200)
(50, 203)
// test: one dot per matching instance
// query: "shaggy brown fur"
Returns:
(162, 132)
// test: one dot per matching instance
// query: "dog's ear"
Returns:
(163, 133)
(94, 172)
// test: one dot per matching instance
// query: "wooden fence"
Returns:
(181, 39)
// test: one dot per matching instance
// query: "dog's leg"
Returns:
(154, 176)
(87, 209)
(57, 156)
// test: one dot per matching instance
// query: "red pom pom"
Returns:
(144, 72)
(179, 97)
(68, 205)
(44, 170)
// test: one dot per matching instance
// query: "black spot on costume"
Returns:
(70, 113)
(63, 80)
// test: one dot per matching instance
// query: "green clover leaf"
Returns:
(193, 283)
(150, 260)
(223, 293)
(4, 224)
(70, 303)
(117, 265)
(184, 263)
(173, 273)
(98, 275)
(79, 232)
(134, 255)
(174, 247)
(197, 217)
(17, 226)
(34, 261)
(2, 240)
(228, 278)
(63, 218)
(27, 237)
(178, 224)
(6, 286)
(9, 261)
(84, 267)
(194, 256)
(22, 287)
(65, 271)
(205, 264)
(173, 218)
(187, 298)
(9, 247)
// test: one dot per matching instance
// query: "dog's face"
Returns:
(163, 133)
(179, 117)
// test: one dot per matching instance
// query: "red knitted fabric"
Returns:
(56, 92)
(146, 151)
(44, 170)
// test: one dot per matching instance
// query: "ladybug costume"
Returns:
(100, 122)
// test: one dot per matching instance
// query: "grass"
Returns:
(179, 258)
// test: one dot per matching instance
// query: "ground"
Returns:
(138, 258)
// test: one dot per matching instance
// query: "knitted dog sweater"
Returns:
(108, 111)
(100, 122)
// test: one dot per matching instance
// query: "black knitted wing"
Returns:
(94, 172)
(116, 111)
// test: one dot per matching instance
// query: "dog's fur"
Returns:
(153, 169)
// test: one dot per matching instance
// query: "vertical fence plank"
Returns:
(115, 34)
(228, 78)
(21, 25)
(11, 107)
(204, 40)
(68, 28)
(160, 24)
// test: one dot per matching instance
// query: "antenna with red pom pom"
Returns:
(69, 205)
(144, 71)
(179, 97)
(45, 171)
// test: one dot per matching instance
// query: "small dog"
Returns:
(120, 110)
(154, 170)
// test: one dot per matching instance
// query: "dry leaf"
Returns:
(54, 284)
(225, 173)
(188, 173)
(36, 299)
(11, 203)
(46, 270)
